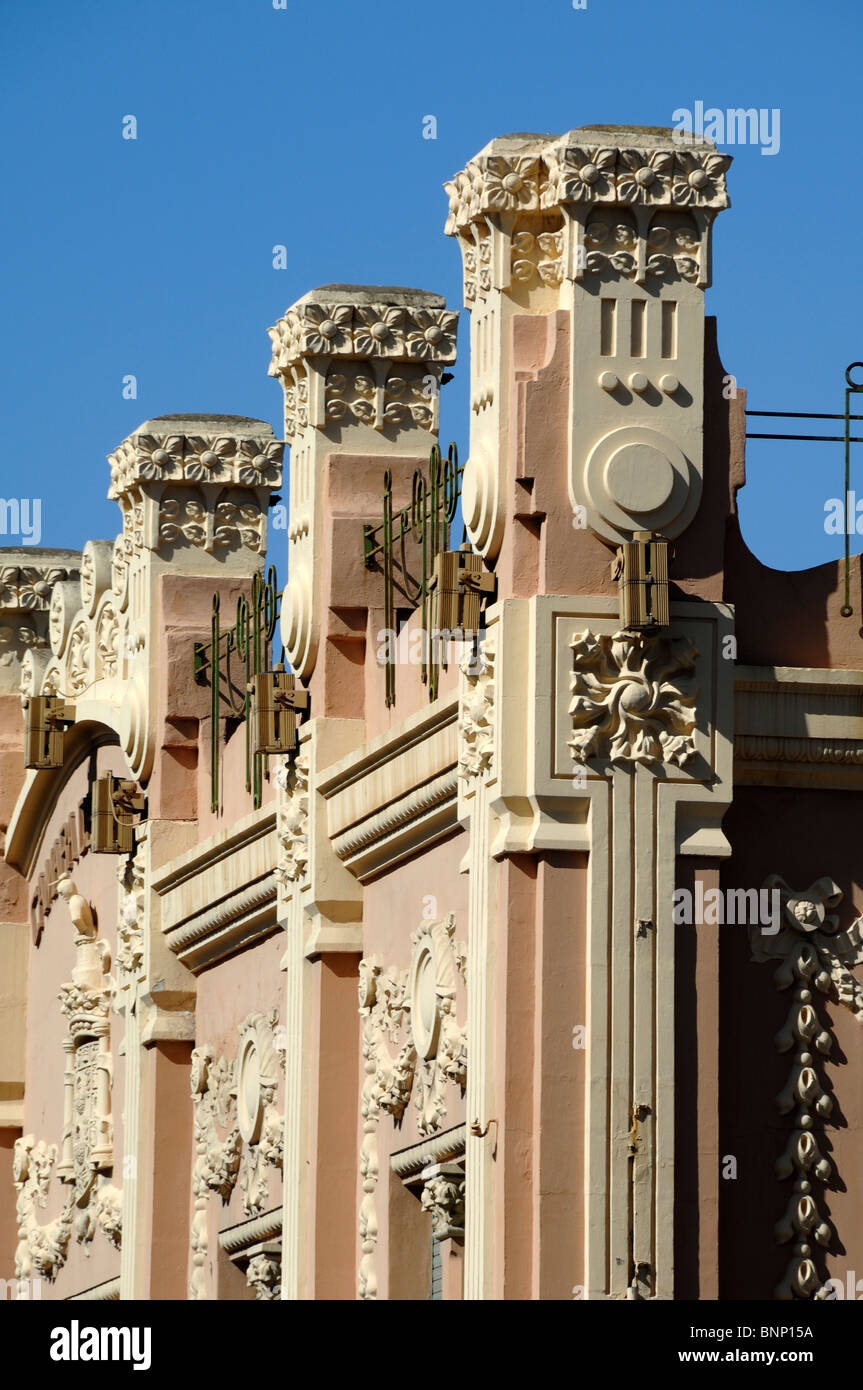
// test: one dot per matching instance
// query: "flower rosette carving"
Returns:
(259, 462)
(578, 174)
(699, 178)
(29, 587)
(510, 183)
(205, 459)
(644, 176)
(476, 712)
(379, 330)
(326, 328)
(463, 199)
(633, 698)
(432, 333)
(158, 457)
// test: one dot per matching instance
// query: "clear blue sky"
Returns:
(303, 126)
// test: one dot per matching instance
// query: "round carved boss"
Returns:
(432, 987)
(250, 1102)
(637, 478)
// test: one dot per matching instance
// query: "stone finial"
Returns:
(409, 335)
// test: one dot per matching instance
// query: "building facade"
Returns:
(513, 963)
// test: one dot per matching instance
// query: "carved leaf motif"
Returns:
(633, 698)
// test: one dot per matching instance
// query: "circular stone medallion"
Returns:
(639, 478)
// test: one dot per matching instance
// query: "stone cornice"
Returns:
(438, 1148)
(396, 796)
(798, 726)
(240, 892)
(237, 1239)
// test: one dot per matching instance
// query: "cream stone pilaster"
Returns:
(361, 370)
(478, 755)
(619, 745)
(613, 226)
(320, 904)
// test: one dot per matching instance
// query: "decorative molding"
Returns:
(238, 1240)
(813, 958)
(395, 796)
(241, 861)
(402, 829)
(633, 698)
(437, 1148)
(798, 726)
(476, 712)
(226, 928)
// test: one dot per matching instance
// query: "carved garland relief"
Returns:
(813, 958)
(87, 1145)
(411, 1043)
(238, 1130)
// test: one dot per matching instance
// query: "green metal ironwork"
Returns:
(426, 522)
(852, 388)
(249, 640)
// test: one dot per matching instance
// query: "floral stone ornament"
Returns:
(633, 698)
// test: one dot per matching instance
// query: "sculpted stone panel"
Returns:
(633, 698)
(239, 1129)
(412, 1043)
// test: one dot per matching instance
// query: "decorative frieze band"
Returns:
(664, 173)
(326, 324)
(227, 454)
